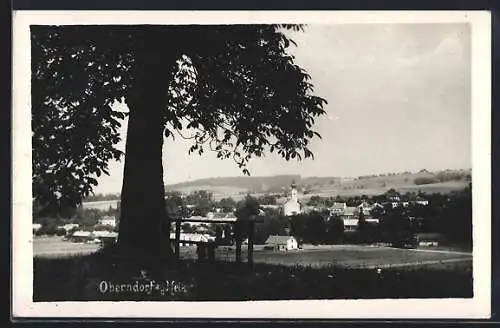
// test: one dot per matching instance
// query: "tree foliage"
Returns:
(235, 89)
(247, 208)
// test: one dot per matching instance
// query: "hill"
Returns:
(240, 184)
(423, 181)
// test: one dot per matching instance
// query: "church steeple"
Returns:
(292, 206)
(294, 195)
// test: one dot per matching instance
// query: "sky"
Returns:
(398, 100)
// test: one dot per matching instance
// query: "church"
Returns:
(292, 206)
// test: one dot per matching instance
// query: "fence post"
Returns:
(238, 241)
(250, 242)
(177, 237)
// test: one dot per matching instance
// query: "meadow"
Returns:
(346, 256)
(328, 272)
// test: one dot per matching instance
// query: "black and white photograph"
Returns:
(264, 164)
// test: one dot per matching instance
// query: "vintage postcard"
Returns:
(279, 165)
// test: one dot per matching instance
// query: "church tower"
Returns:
(292, 206)
(294, 197)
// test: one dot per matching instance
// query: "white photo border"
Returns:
(478, 307)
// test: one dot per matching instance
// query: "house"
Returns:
(104, 234)
(273, 207)
(393, 195)
(196, 220)
(350, 224)
(281, 243)
(67, 228)
(350, 212)
(109, 221)
(187, 239)
(365, 207)
(422, 201)
(428, 239)
(81, 236)
(36, 227)
(106, 237)
(338, 208)
(292, 205)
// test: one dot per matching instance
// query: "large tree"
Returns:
(233, 89)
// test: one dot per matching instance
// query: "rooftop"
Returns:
(275, 239)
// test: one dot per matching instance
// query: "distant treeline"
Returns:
(443, 177)
(101, 197)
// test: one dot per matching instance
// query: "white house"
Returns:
(292, 205)
(282, 243)
(108, 221)
(350, 224)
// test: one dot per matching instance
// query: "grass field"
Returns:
(347, 256)
(55, 247)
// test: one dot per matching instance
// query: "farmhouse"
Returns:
(292, 206)
(282, 243)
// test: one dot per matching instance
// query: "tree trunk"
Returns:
(144, 225)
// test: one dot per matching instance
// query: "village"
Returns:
(200, 226)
